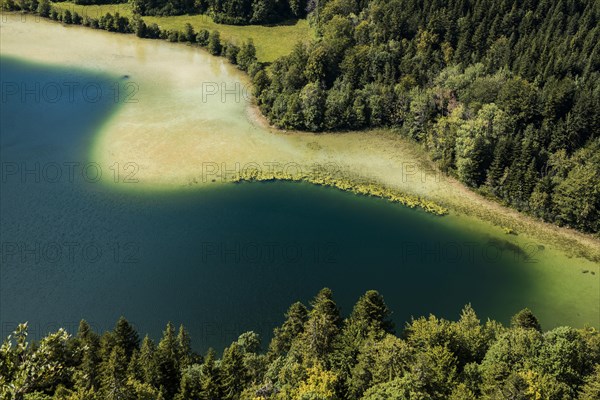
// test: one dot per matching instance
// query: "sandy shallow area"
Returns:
(192, 123)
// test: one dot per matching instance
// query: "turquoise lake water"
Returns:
(221, 260)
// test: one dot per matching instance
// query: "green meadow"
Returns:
(271, 41)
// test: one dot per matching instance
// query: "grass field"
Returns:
(271, 41)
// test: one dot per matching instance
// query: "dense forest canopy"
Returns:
(314, 355)
(236, 12)
(504, 94)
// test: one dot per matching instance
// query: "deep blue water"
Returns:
(219, 260)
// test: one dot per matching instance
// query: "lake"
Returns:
(81, 240)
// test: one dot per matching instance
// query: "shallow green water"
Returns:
(231, 258)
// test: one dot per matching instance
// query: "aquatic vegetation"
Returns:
(356, 185)
(509, 231)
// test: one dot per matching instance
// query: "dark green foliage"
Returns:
(284, 336)
(202, 37)
(67, 17)
(173, 36)
(77, 19)
(153, 32)
(90, 2)
(316, 342)
(210, 379)
(191, 383)
(496, 90)
(233, 373)
(526, 320)
(162, 7)
(214, 43)
(87, 376)
(126, 337)
(231, 53)
(113, 379)
(189, 34)
(247, 55)
(168, 360)
(233, 12)
(139, 27)
(148, 361)
(44, 8)
(314, 355)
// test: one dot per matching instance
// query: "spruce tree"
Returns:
(148, 362)
(233, 373)
(126, 337)
(167, 355)
(210, 379)
(114, 384)
(525, 319)
(283, 336)
(320, 330)
(184, 349)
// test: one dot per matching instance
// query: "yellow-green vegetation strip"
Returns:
(95, 11)
(271, 42)
(365, 188)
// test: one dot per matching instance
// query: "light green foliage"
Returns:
(113, 377)
(314, 355)
(247, 55)
(319, 384)
(380, 361)
(191, 383)
(210, 378)
(577, 196)
(234, 374)
(293, 326)
(320, 330)
(25, 369)
(474, 139)
(516, 349)
(591, 389)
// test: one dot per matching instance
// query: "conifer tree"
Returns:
(126, 337)
(148, 362)
(114, 384)
(210, 379)
(320, 330)
(167, 356)
(233, 373)
(283, 336)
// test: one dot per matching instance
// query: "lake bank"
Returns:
(268, 50)
(188, 150)
(179, 139)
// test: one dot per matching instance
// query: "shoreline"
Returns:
(479, 207)
(382, 155)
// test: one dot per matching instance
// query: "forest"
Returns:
(234, 12)
(314, 354)
(504, 95)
